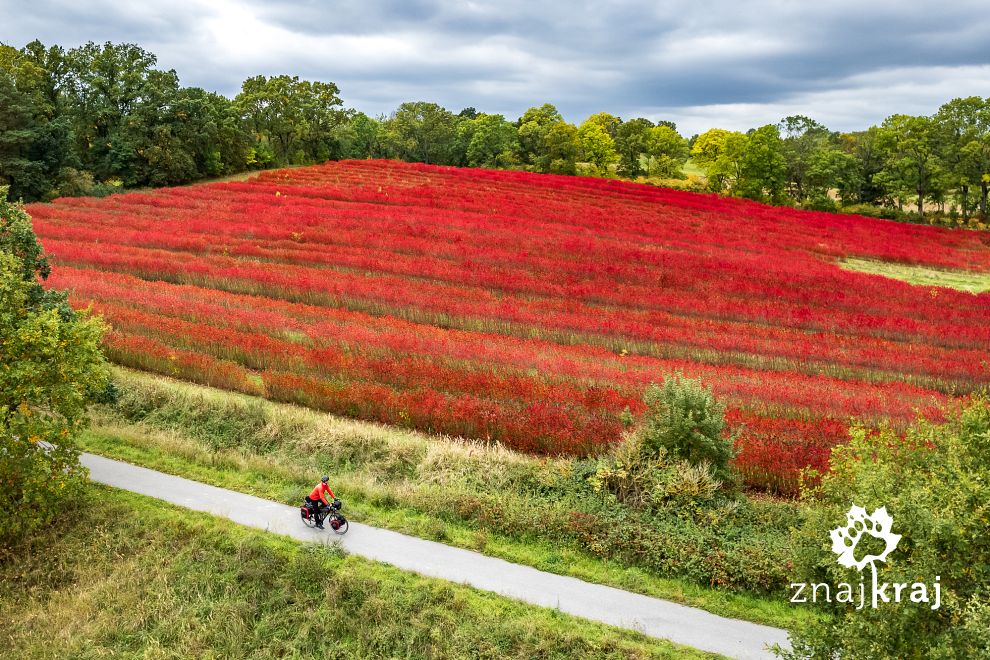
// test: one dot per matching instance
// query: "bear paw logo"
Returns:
(845, 539)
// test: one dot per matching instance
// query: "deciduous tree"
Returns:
(422, 132)
(51, 367)
(597, 145)
(631, 142)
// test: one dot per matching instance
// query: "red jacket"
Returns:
(319, 493)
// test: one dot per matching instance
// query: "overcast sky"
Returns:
(701, 63)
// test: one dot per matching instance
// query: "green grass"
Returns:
(126, 576)
(691, 168)
(963, 280)
(468, 495)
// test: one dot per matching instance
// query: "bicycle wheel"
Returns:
(308, 518)
(342, 526)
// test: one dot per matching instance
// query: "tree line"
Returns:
(92, 119)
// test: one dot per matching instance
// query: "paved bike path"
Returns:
(651, 616)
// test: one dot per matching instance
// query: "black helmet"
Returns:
(325, 479)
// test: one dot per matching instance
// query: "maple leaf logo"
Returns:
(845, 539)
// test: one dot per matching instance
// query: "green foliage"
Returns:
(489, 141)
(684, 420)
(631, 143)
(546, 142)
(816, 164)
(104, 112)
(296, 119)
(597, 145)
(962, 127)
(719, 153)
(643, 478)
(51, 366)
(864, 149)
(762, 168)
(34, 144)
(607, 122)
(563, 148)
(421, 132)
(665, 155)
(933, 483)
(912, 166)
(364, 137)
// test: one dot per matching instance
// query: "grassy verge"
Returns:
(503, 504)
(123, 575)
(963, 280)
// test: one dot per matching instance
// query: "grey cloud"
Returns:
(677, 58)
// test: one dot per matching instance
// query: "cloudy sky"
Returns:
(701, 63)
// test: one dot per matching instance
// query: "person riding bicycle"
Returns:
(318, 497)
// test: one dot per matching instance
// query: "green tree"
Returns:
(34, 141)
(867, 161)
(534, 130)
(55, 75)
(911, 164)
(802, 142)
(597, 144)
(608, 122)
(106, 81)
(224, 144)
(932, 481)
(631, 139)
(829, 167)
(364, 137)
(963, 135)
(762, 173)
(155, 145)
(720, 153)
(421, 132)
(666, 152)
(51, 367)
(489, 141)
(295, 119)
(323, 118)
(563, 148)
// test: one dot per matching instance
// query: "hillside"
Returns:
(524, 308)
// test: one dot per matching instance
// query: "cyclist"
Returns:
(318, 497)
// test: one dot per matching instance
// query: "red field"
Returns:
(528, 309)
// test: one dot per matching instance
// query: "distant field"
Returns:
(973, 282)
(692, 168)
(527, 309)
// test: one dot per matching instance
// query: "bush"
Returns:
(74, 183)
(684, 419)
(933, 482)
(652, 481)
(52, 367)
(821, 203)
(692, 183)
